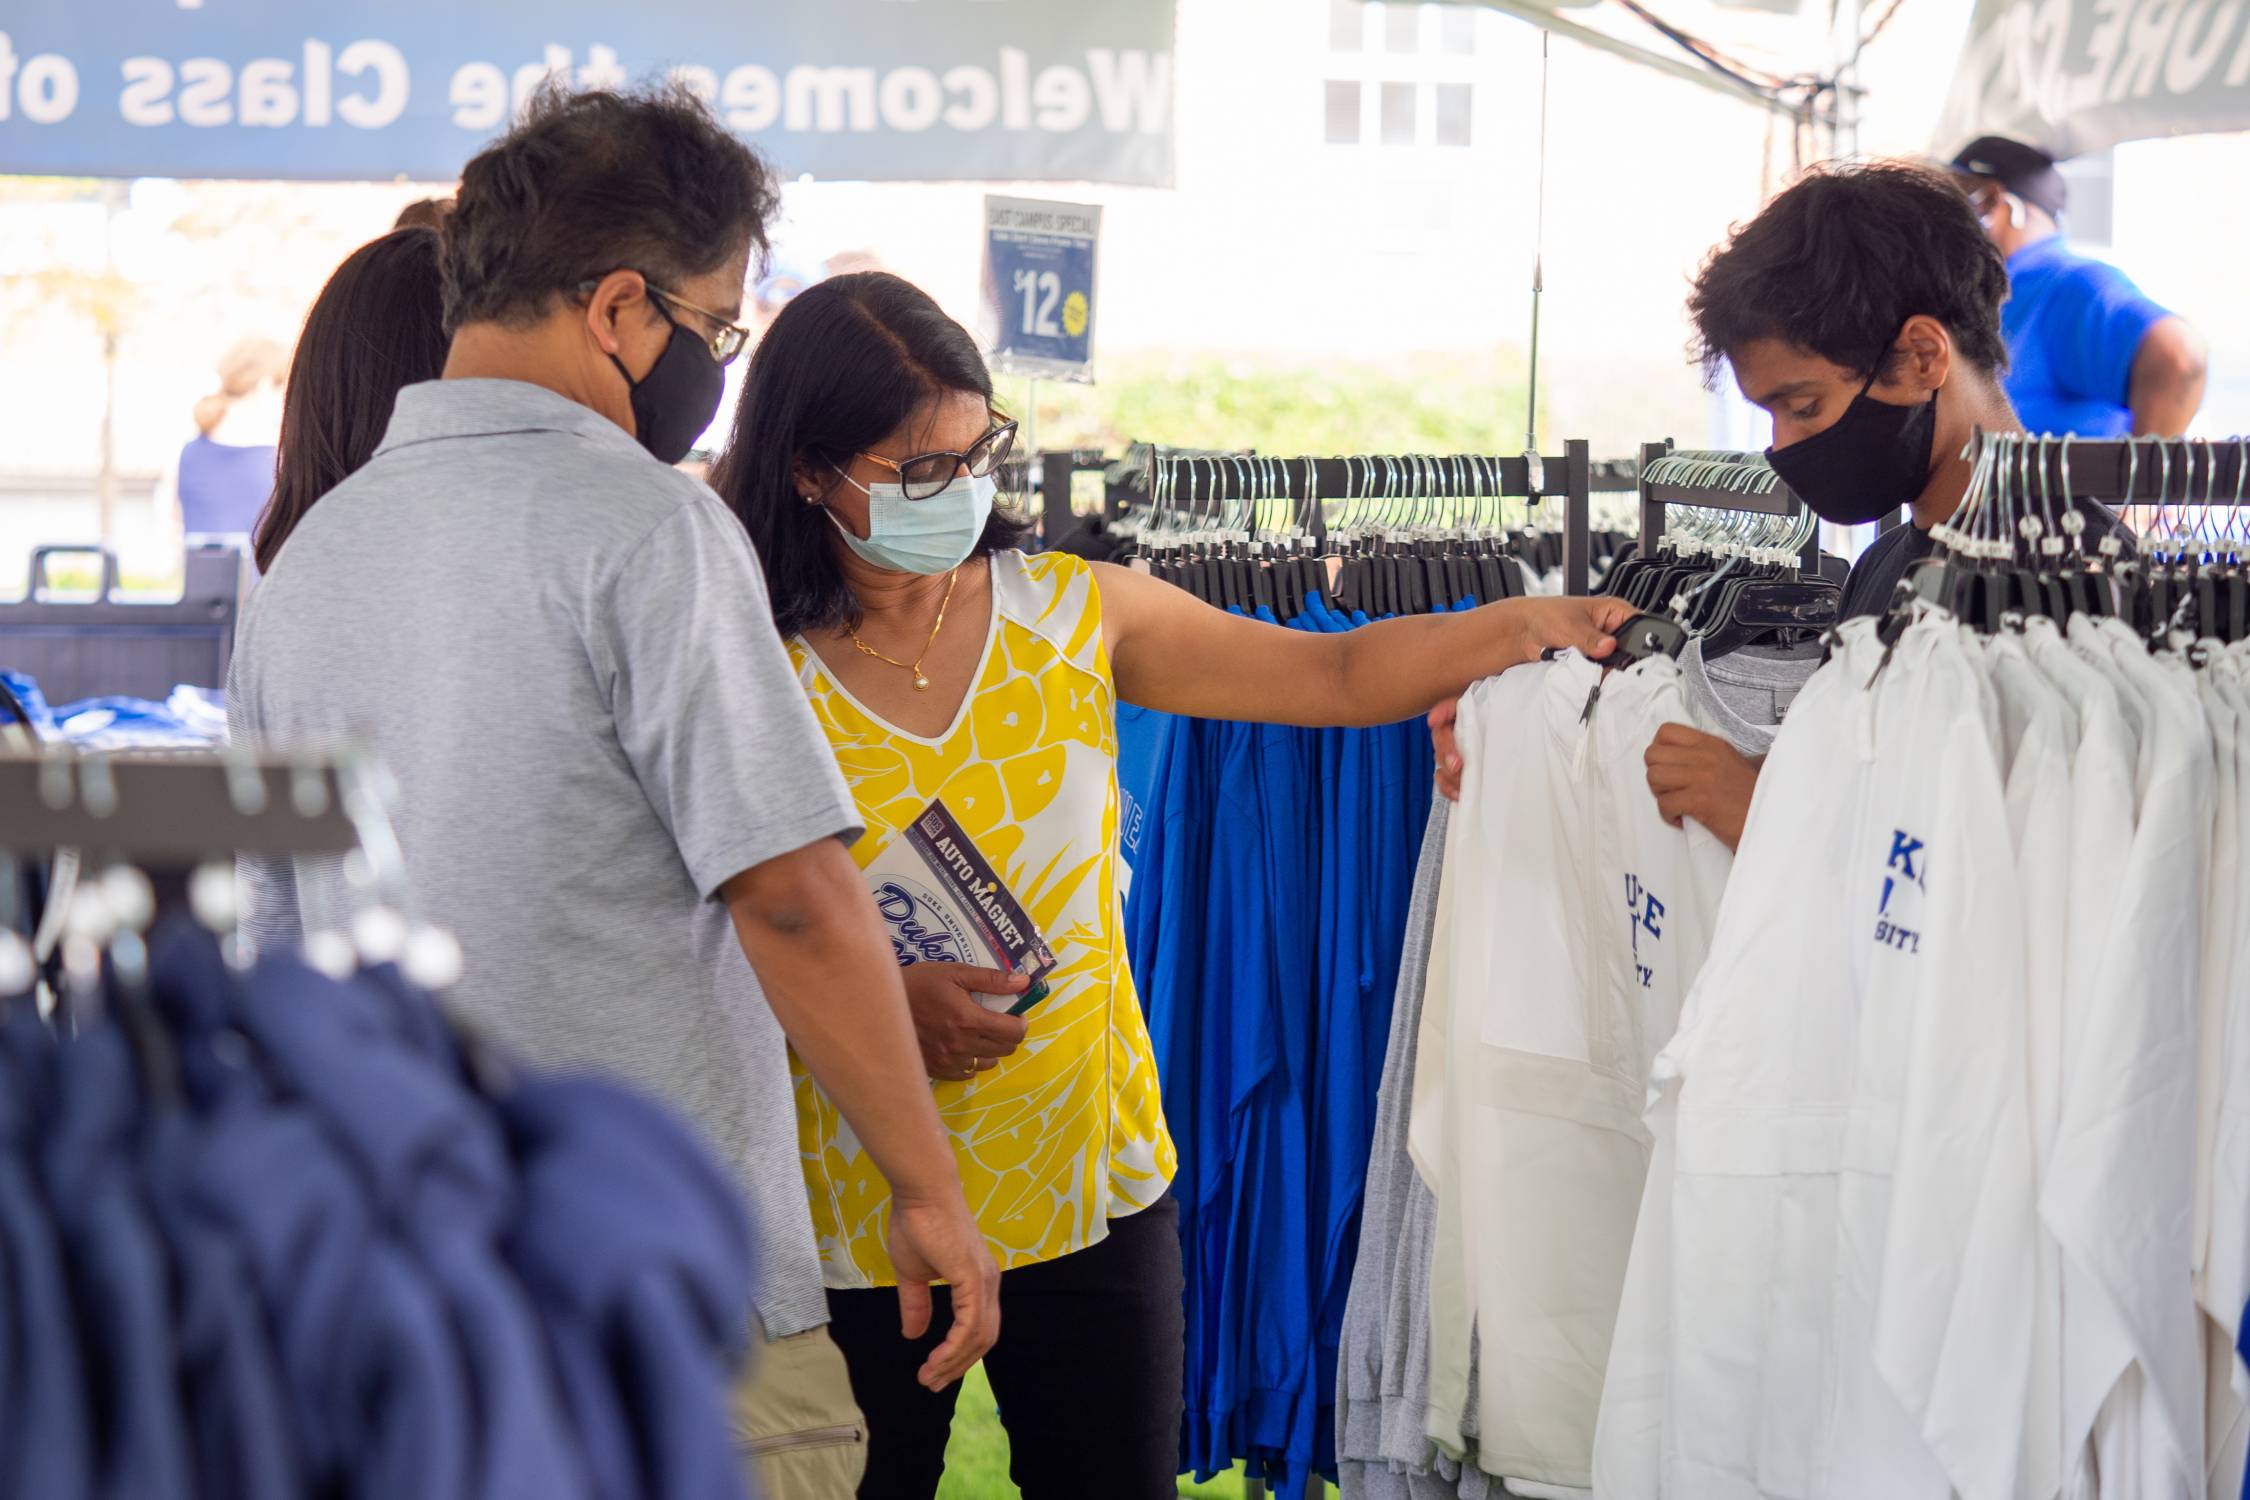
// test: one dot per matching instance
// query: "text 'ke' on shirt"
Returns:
(563, 651)
(1067, 1132)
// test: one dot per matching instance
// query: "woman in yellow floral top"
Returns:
(944, 663)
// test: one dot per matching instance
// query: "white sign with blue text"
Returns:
(869, 90)
(1039, 265)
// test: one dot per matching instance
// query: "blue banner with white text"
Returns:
(872, 90)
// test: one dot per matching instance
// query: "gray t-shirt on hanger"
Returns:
(1383, 1366)
(563, 651)
(1743, 695)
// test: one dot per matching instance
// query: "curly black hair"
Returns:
(593, 181)
(1838, 262)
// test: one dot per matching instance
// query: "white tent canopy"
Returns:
(1784, 38)
(2073, 76)
(2070, 76)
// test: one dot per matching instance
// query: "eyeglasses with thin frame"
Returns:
(731, 338)
(728, 342)
(927, 474)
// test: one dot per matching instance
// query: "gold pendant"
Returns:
(921, 683)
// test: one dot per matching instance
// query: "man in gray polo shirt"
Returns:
(611, 786)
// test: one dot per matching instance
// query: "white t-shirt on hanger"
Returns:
(2039, 733)
(1538, 1114)
(2227, 1267)
(1853, 1289)
(2104, 766)
(2120, 1196)
(2220, 1290)
(1679, 878)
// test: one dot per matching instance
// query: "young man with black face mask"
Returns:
(1861, 309)
(611, 786)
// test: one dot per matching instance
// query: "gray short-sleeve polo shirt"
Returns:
(564, 652)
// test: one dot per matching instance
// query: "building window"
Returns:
(1454, 105)
(1398, 114)
(1402, 28)
(1457, 30)
(1343, 113)
(1347, 25)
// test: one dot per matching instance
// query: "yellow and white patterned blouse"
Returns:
(1069, 1132)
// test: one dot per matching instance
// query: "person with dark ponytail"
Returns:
(376, 328)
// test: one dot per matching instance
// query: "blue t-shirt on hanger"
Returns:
(1266, 943)
(1140, 735)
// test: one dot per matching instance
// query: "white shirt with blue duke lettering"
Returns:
(1570, 920)
(1851, 1247)
(1673, 879)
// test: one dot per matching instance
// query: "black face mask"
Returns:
(1875, 459)
(679, 395)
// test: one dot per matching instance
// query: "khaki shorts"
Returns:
(795, 1421)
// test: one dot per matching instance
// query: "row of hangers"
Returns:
(1409, 534)
(2019, 548)
(1729, 577)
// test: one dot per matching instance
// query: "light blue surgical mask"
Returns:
(922, 536)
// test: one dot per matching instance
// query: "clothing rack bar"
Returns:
(161, 808)
(1204, 484)
(1578, 517)
(1057, 469)
(1613, 476)
(1197, 482)
(2151, 471)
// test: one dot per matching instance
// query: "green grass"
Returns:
(1414, 404)
(976, 1460)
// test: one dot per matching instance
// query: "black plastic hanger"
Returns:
(1774, 609)
(1645, 636)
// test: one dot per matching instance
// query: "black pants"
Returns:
(1088, 1372)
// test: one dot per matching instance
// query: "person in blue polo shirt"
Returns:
(2088, 352)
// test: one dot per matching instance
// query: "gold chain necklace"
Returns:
(921, 682)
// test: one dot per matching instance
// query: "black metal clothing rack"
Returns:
(1778, 500)
(1613, 476)
(1197, 483)
(178, 809)
(1059, 522)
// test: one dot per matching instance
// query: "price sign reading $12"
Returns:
(1039, 296)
